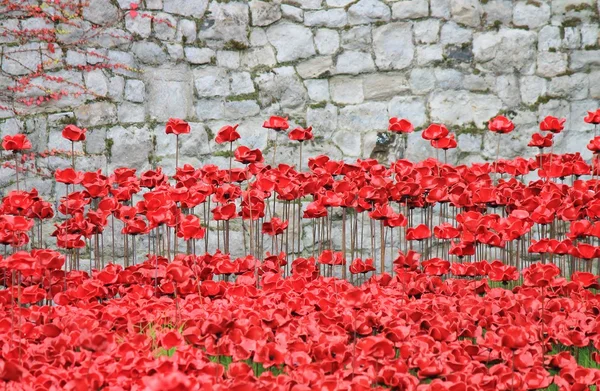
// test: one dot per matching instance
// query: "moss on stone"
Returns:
(108, 144)
(579, 7)
(571, 22)
(241, 97)
(319, 105)
(469, 128)
(235, 45)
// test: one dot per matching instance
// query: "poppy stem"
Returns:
(497, 156)
(343, 242)
(73, 154)
(382, 235)
(176, 152)
(17, 168)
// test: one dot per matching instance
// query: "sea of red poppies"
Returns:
(353, 275)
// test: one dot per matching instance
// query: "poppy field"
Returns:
(354, 275)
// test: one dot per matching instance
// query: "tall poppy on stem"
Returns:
(554, 125)
(593, 117)
(177, 126)
(278, 124)
(500, 125)
(300, 134)
(228, 134)
(16, 144)
(402, 126)
(73, 134)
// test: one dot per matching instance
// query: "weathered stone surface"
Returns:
(549, 38)
(410, 9)
(96, 82)
(363, 117)
(100, 11)
(21, 60)
(282, 86)
(262, 56)
(165, 28)
(326, 18)
(346, 90)
(131, 113)
(409, 107)
(211, 81)
(422, 80)
(467, 12)
(551, 64)
(453, 34)
(506, 51)
(148, 52)
(315, 67)
(318, 89)
(323, 120)
(582, 59)
(241, 83)
(291, 41)
(572, 38)
(294, 14)
(94, 114)
(199, 55)
(354, 62)
(195, 8)
(507, 89)
(463, 107)
(135, 91)
(169, 92)
(572, 87)
(448, 79)
(427, 55)
(427, 31)
(393, 47)
(327, 41)
(384, 85)
(133, 146)
(531, 14)
(186, 30)
(532, 87)
(357, 38)
(368, 11)
(264, 13)
(224, 23)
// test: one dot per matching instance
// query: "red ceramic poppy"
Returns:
(177, 126)
(18, 142)
(435, 132)
(400, 125)
(227, 134)
(74, 133)
(553, 124)
(276, 123)
(593, 117)
(500, 124)
(301, 134)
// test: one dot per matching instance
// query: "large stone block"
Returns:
(169, 92)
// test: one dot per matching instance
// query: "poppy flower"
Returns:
(224, 212)
(177, 126)
(68, 176)
(400, 125)
(435, 132)
(553, 124)
(445, 143)
(246, 155)
(594, 145)
(358, 266)
(18, 142)
(73, 133)
(420, 232)
(593, 117)
(274, 227)
(329, 257)
(540, 141)
(500, 124)
(276, 123)
(227, 134)
(190, 227)
(300, 134)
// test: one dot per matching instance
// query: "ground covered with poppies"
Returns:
(353, 275)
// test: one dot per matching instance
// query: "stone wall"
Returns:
(342, 66)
